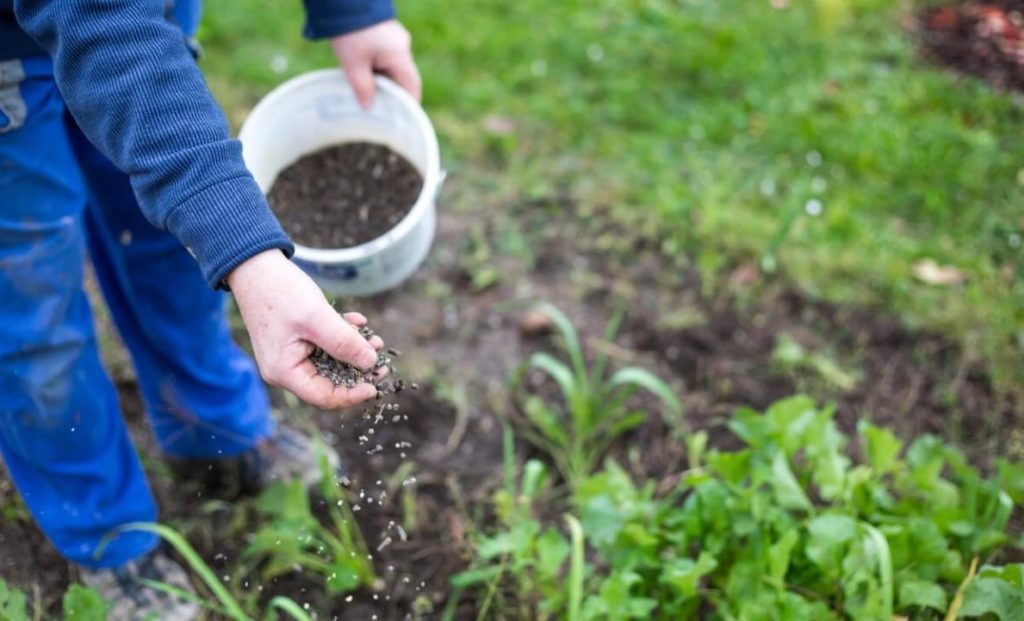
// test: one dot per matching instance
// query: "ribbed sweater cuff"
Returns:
(224, 225)
(323, 25)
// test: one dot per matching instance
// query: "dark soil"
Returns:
(344, 195)
(985, 39)
(461, 341)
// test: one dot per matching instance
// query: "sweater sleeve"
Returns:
(330, 18)
(131, 84)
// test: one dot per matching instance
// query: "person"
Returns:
(111, 143)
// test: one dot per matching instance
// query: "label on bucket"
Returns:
(336, 271)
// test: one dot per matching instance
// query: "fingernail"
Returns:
(367, 359)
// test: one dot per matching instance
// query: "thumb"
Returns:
(341, 340)
(360, 76)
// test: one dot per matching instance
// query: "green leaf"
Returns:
(684, 574)
(343, 577)
(289, 501)
(877, 546)
(829, 536)
(83, 604)
(1012, 573)
(559, 372)
(1010, 478)
(789, 419)
(751, 427)
(993, 596)
(472, 577)
(287, 606)
(546, 421)
(576, 570)
(788, 492)
(624, 424)
(617, 601)
(824, 448)
(779, 555)
(552, 550)
(535, 474)
(13, 605)
(922, 594)
(881, 447)
(571, 340)
(499, 545)
(696, 444)
(642, 378)
(733, 466)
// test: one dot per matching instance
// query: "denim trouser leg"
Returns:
(61, 433)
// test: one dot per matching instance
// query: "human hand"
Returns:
(286, 315)
(384, 48)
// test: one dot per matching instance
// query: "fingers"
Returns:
(359, 320)
(404, 72)
(356, 319)
(360, 76)
(320, 392)
(340, 339)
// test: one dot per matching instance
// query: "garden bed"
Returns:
(747, 341)
(981, 38)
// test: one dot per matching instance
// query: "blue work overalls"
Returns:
(61, 432)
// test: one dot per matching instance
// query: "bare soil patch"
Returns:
(982, 38)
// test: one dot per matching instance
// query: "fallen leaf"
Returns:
(535, 323)
(931, 273)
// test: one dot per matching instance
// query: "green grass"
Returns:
(713, 123)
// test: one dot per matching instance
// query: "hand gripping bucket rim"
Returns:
(433, 176)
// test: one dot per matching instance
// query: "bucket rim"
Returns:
(432, 175)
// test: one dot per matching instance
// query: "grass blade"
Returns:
(642, 378)
(181, 593)
(197, 564)
(601, 363)
(576, 569)
(572, 341)
(558, 371)
(287, 606)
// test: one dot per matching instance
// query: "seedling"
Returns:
(579, 431)
(293, 537)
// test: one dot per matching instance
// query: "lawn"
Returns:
(811, 140)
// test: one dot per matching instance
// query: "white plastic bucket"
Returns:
(319, 109)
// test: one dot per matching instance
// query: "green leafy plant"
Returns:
(84, 604)
(292, 536)
(594, 411)
(792, 357)
(523, 558)
(792, 525)
(13, 604)
(79, 604)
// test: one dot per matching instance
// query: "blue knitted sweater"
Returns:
(130, 82)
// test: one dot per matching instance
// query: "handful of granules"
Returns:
(344, 374)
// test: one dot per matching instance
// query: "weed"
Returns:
(222, 602)
(595, 409)
(788, 527)
(292, 536)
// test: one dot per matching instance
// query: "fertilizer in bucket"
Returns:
(354, 188)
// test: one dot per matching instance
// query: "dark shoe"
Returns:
(132, 600)
(288, 455)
